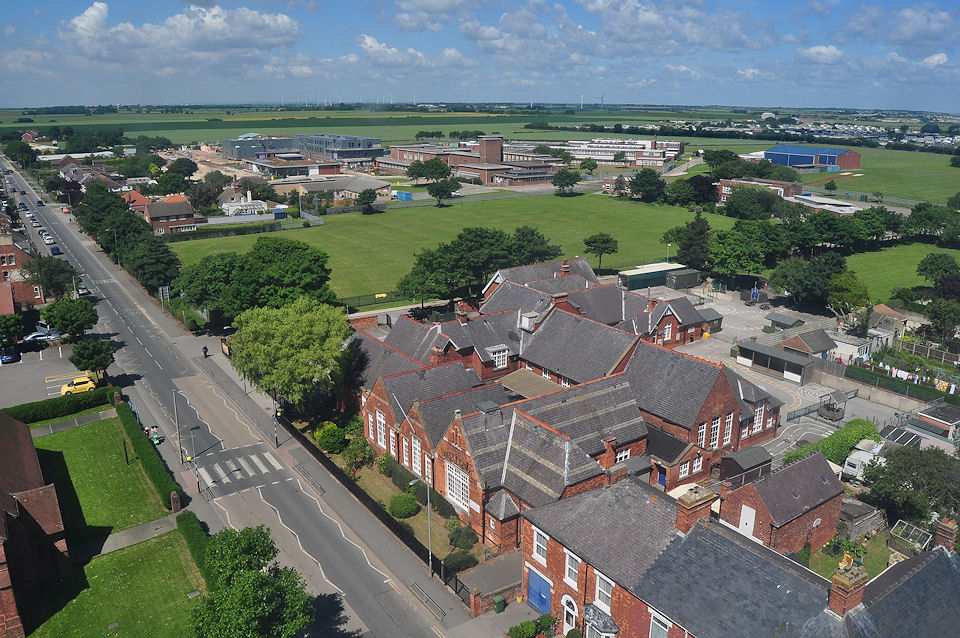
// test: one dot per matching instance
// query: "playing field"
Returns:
(369, 253)
(883, 269)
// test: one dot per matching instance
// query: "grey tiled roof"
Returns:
(373, 359)
(597, 524)
(607, 304)
(501, 506)
(486, 436)
(414, 339)
(749, 394)
(438, 413)
(485, 332)
(575, 347)
(783, 318)
(681, 308)
(710, 314)
(510, 296)
(750, 457)
(599, 619)
(817, 341)
(784, 355)
(557, 285)
(715, 583)
(666, 447)
(548, 270)
(795, 489)
(427, 383)
(669, 384)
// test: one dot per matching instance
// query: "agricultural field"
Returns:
(881, 270)
(369, 253)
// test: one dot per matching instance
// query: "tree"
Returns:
(435, 274)
(947, 288)
(292, 350)
(529, 246)
(715, 158)
(732, 253)
(565, 179)
(790, 277)
(620, 184)
(944, 316)
(588, 164)
(830, 186)
(693, 249)
(171, 183)
(93, 354)
(914, 482)
(620, 157)
(11, 329)
(416, 171)
(846, 294)
(749, 202)
(366, 199)
(704, 190)
(679, 193)
(214, 283)
(443, 189)
(647, 185)
(217, 180)
(481, 251)
(955, 161)
(71, 316)
(600, 244)
(231, 551)
(203, 194)
(152, 262)
(436, 169)
(54, 275)
(184, 166)
(935, 266)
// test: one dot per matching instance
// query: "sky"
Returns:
(806, 53)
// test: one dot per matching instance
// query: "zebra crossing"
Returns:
(225, 472)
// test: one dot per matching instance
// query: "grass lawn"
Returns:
(874, 561)
(369, 253)
(93, 410)
(883, 269)
(99, 492)
(144, 587)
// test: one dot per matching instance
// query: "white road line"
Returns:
(202, 471)
(234, 526)
(158, 365)
(233, 468)
(259, 463)
(147, 351)
(223, 478)
(138, 341)
(276, 464)
(229, 407)
(246, 466)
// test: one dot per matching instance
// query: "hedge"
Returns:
(59, 406)
(153, 466)
(196, 538)
(215, 230)
(459, 560)
(401, 477)
(900, 386)
(837, 446)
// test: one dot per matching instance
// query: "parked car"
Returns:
(80, 384)
(10, 355)
(29, 215)
(41, 336)
(55, 250)
(43, 326)
(35, 223)
(48, 240)
(82, 289)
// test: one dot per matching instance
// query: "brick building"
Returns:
(782, 189)
(794, 505)
(12, 259)
(540, 272)
(170, 217)
(33, 546)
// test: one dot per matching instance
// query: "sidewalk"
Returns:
(67, 424)
(124, 538)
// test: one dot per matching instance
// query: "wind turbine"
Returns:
(601, 99)
(581, 102)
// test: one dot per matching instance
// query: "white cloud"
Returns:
(384, 54)
(9, 30)
(681, 69)
(934, 60)
(821, 54)
(417, 21)
(754, 74)
(430, 6)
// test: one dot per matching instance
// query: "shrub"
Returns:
(353, 426)
(153, 466)
(403, 505)
(574, 633)
(59, 406)
(382, 463)
(401, 477)
(459, 560)
(191, 324)
(358, 453)
(804, 554)
(463, 537)
(196, 538)
(837, 446)
(526, 629)
(546, 622)
(332, 439)
(452, 523)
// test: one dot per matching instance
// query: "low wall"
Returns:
(868, 392)
(481, 603)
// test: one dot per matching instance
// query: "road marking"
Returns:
(68, 375)
(205, 476)
(223, 475)
(259, 463)
(246, 466)
(233, 467)
(158, 365)
(138, 341)
(148, 352)
(276, 465)
(437, 631)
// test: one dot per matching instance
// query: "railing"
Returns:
(241, 402)
(434, 608)
(794, 415)
(455, 584)
(927, 351)
(305, 473)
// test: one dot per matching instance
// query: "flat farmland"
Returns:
(881, 270)
(369, 253)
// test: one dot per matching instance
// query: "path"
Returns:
(72, 422)
(124, 538)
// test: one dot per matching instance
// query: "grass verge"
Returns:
(883, 269)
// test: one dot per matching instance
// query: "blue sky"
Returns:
(762, 53)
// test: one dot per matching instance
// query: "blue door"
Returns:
(538, 592)
(661, 476)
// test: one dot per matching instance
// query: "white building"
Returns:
(653, 153)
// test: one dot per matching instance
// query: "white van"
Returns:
(857, 462)
(44, 327)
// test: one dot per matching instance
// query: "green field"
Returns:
(925, 177)
(143, 587)
(99, 492)
(369, 253)
(883, 269)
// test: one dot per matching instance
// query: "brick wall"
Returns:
(364, 323)
(10, 624)
(792, 536)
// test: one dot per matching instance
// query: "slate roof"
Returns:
(439, 412)
(509, 296)
(666, 447)
(414, 339)
(607, 304)
(783, 355)
(501, 506)
(556, 285)
(486, 437)
(596, 524)
(945, 412)
(484, 333)
(709, 314)
(166, 209)
(656, 374)
(816, 341)
(575, 347)
(20, 469)
(795, 489)
(427, 383)
(750, 457)
(783, 318)
(545, 270)
(737, 588)
(749, 395)
(374, 359)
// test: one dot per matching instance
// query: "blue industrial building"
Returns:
(794, 155)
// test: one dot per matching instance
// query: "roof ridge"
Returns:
(718, 366)
(453, 394)
(780, 469)
(391, 348)
(424, 368)
(536, 421)
(586, 318)
(567, 389)
(923, 563)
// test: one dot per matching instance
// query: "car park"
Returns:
(41, 336)
(80, 384)
(9, 355)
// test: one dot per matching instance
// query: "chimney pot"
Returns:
(846, 588)
(947, 533)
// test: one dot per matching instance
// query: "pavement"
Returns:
(67, 424)
(124, 538)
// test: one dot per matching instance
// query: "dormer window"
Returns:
(500, 358)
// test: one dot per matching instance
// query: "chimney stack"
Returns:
(565, 268)
(846, 588)
(694, 506)
(947, 533)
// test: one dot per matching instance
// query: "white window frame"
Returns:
(728, 429)
(714, 432)
(697, 464)
(500, 359)
(545, 374)
(568, 606)
(393, 444)
(605, 606)
(416, 455)
(758, 419)
(769, 422)
(622, 455)
(660, 622)
(406, 452)
(36, 292)
(745, 431)
(540, 542)
(373, 432)
(428, 470)
(458, 486)
(685, 469)
(564, 382)
(381, 429)
(667, 331)
(571, 558)
(702, 434)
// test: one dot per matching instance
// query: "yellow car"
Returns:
(80, 384)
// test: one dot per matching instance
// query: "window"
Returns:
(493, 524)
(458, 486)
(667, 331)
(36, 292)
(769, 422)
(658, 628)
(160, 231)
(500, 359)
(415, 453)
(569, 614)
(684, 469)
(545, 374)
(428, 470)
(745, 431)
(728, 429)
(604, 593)
(701, 434)
(564, 382)
(381, 429)
(622, 455)
(758, 420)
(406, 452)
(540, 546)
(714, 432)
(11, 260)
(697, 464)
(572, 571)
(6, 275)
(393, 444)
(370, 424)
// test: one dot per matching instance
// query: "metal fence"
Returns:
(870, 198)
(794, 415)
(359, 301)
(927, 351)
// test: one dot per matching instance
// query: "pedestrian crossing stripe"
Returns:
(276, 464)
(246, 466)
(259, 463)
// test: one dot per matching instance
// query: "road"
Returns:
(246, 480)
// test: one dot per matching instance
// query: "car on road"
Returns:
(80, 384)
(29, 215)
(35, 223)
(39, 202)
(41, 336)
(55, 250)
(9, 355)
(82, 289)
(22, 206)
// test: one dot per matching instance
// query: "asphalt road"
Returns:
(236, 471)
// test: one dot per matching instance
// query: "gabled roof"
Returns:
(501, 506)
(374, 359)
(709, 314)
(669, 384)
(427, 383)
(164, 209)
(414, 339)
(813, 342)
(544, 270)
(607, 304)
(783, 318)
(664, 446)
(883, 309)
(620, 529)
(486, 436)
(135, 198)
(485, 334)
(439, 412)
(576, 347)
(556, 285)
(750, 457)
(510, 296)
(749, 394)
(681, 308)
(20, 469)
(795, 489)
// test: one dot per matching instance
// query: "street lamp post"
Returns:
(176, 419)
(429, 538)
(668, 252)
(115, 243)
(276, 420)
